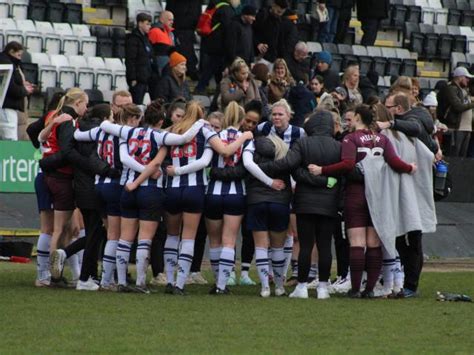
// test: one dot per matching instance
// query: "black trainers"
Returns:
(124, 289)
(367, 294)
(142, 289)
(213, 290)
(225, 291)
(353, 294)
(178, 291)
(169, 289)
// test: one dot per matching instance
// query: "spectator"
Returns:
(322, 67)
(267, 30)
(350, 81)
(215, 47)
(369, 85)
(238, 86)
(415, 90)
(345, 15)
(455, 110)
(174, 85)
(298, 63)
(119, 99)
(16, 96)
(162, 39)
(280, 81)
(241, 35)
(260, 72)
(186, 14)
(138, 59)
(288, 35)
(329, 29)
(303, 102)
(370, 13)
(324, 100)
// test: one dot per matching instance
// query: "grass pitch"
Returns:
(58, 320)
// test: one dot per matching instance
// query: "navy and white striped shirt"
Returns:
(217, 187)
(289, 136)
(185, 154)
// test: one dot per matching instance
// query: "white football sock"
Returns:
(214, 256)
(185, 260)
(278, 265)
(170, 256)
(122, 259)
(226, 263)
(261, 260)
(143, 258)
(288, 248)
(109, 262)
(42, 266)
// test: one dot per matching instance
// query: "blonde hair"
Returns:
(194, 112)
(348, 71)
(126, 112)
(288, 77)
(281, 148)
(72, 96)
(233, 114)
(237, 65)
(283, 103)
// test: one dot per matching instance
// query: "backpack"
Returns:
(204, 27)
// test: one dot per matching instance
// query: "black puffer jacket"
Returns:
(217, 42)
(240, 41)
(138, 57)
(320, 148)
(417, 123)
(267, 30)
(372, 9)
(169, 89)
(186, 13)
(258, 192)
(16, 93)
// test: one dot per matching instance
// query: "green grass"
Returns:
(67, 321)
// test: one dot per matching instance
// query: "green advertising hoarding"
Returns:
(18, 167)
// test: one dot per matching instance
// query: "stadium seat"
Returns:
(435, 4)
(66, 73)
(441, 16)
(118, 37)
(117, 68)
(7, 24)
(457, 57)
(467, 18)
(26, 57)
(454, 17)
(54, 12)
(103, 76)
(14, 35)
(81, 30)
(427, 15)
(30, 70)
(336, 64)
(379, 62)
(88, 46)
(314, 47)
(19, 9)
(72, 13)
(104, 41)
(114, 64)
(95, 96)
(70, 44)
(394, 63)
(330, 47)
(398, 15)
(47, 72)
(4, 9)
(348, 57)
(413, 14)
(37, 10)
(44, 27)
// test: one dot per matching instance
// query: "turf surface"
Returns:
(67, 321)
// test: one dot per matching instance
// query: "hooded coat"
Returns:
(303, 102)
(312, 196)
(16, 93)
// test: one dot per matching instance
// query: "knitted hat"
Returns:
(249, 10)
(430, 100)
(325, 57)
(176, 58)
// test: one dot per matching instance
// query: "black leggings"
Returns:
(199, 245)
(411, 257)
(342, 247)
(157, 248)
(248, 245)
(314, 228)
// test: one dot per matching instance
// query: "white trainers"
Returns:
(313, 284)
(299, 292)
(323, 293)
(232, 280)
(342, 285)
(58, 258)
(42, 283)
(246, 281)
(382, 292)
(89, 285)
(159, 280)
(265, 292)
(197, 278)
(280, 291)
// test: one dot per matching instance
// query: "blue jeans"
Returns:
(211, 65)
(329, 29)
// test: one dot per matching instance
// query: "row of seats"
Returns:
(70, 71)
(63, 38)
(14, 8)
(151, 7)
(465, 60)
(40, 10)
(383, 60)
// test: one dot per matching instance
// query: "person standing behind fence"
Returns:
(13, 126)
(138, 58)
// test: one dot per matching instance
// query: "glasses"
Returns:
(389, 107)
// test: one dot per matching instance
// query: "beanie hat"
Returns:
(430, 100)
(176, 58)
(325, 57)
(249, 10)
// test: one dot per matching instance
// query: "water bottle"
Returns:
(440, 175)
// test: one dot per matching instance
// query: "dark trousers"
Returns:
(328, 30)
(95, 235)
(314, 228)
(199, 246)
(157, 248)
(370, 28)
(186, 47)
(248, 245)
(342, 247)
(138, 93)
(411, 256)
(343, 24)
(211, 66)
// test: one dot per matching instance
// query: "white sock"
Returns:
(109, 262)
(143, 258)
(170, 256)
(73, 262)
(278, 264)
(302, 285)
(313, 271)
(261, 260)
(294, 267)
(82, 234)
(214, 256)
(270, 268)
(288, 248)
(399, 274)
(122, 258)
(42, 260)
(185, 260)
(322, 284)
(226, 263)
(388, 269)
